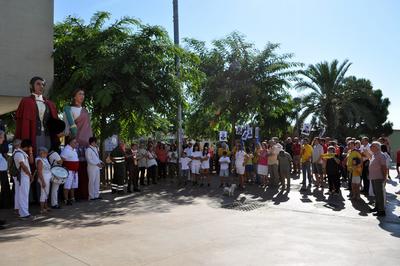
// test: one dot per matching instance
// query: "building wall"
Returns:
(26, 46)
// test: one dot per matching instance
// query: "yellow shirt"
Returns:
(357, 170)
(306, 152)
(349, 162)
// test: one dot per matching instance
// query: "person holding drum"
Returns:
(56, 162)
(71, 162)
(44, 177)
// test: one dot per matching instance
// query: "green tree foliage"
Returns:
(127, 70)
(370, 116)
(242, 85)
(343, 105)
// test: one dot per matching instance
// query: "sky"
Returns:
(367, 32)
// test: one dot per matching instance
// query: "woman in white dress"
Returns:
(240, 165)
(196, 163)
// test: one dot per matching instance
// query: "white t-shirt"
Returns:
(141, 157)
(224, 162)
(366, 150)
(69, 154)
(206, 163)
(185, 161)
(196, 154)
(19, 157)
(318, 150)
(188, 151)
(172, 156)
(151, 159)
(54, 157)
(239, 158)
(3, 163)
(46, 166)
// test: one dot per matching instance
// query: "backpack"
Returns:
(12, 168)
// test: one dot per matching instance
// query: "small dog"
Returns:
(230, 191)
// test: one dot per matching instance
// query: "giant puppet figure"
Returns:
(36, 118)
(77, 120)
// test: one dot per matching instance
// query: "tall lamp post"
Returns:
(177, 66)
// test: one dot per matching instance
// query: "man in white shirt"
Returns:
(94, 164)
(22, 160)
(317, 162)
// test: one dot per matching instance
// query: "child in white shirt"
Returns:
(205, 166)
(224, 162)
(185, 168)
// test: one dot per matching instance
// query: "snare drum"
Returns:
(59, 173)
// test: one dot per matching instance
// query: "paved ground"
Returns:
(196, 226)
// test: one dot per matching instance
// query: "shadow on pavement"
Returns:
(165, 196)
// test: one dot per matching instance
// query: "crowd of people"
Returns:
(359, 165)
(43, 172)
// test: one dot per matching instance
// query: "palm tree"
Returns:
(327, 96)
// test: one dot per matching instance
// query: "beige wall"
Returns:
(26, 46)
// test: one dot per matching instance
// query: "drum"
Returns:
(59, 173)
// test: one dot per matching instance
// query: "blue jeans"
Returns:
(306, 169)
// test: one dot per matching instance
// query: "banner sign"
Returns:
(306, 129)
(223, 136)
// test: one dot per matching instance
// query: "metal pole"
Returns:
(177, 66)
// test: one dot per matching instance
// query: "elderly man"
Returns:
(377, 174)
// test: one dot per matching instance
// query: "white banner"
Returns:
(306, 129)
(239, 130)
(249, 132)
(223, 136)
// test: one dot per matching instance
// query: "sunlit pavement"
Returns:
(164, 225)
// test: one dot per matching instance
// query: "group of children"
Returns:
(195, 166)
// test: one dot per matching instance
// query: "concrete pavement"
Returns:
(198, 226)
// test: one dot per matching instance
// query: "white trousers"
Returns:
(54, 194)
(16, 195)
(94, 181)
(44, 192)
(23, 196)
